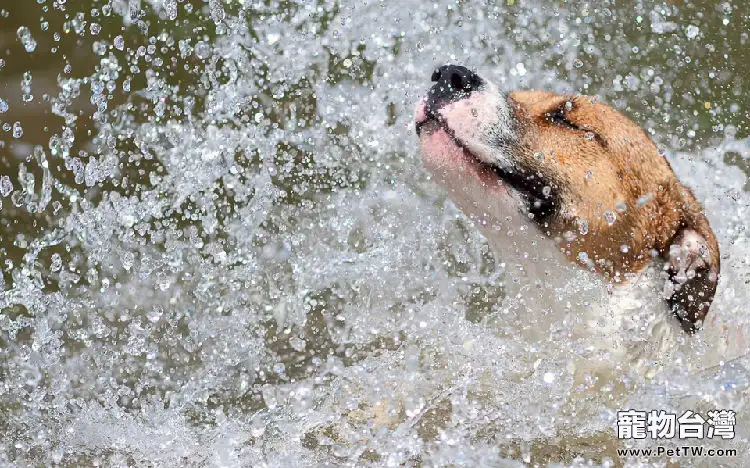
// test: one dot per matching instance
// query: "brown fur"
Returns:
(598, 160)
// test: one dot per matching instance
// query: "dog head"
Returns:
(583, 175)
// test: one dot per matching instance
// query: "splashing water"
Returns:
(231, 254)
(24, 35)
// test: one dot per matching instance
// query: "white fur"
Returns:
(484, 116)
(549, 299)
(608, 328)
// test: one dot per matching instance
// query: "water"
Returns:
(219, 246)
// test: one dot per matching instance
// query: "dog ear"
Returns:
(692, 270)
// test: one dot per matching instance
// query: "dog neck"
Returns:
(549, 300)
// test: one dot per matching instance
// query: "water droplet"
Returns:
(6, 186)
(202, 50)
(170, 6)
(298, 343)
(127, 259)
(583, 226)
(119, 43)
(621, 207)
(17, 130)
(624, 248)
(589, 136)
(155, 314)
(569, 236)
(692, 31)
(257, 429)
(546, 190)
(610, 217)
(26, 95)
(539, 156)
(549, 377)
(217, 12)
(583, 257)
(99, 48)
(24, 35)
(578, 63)
(56, 263)
(3, 106)
(644, 199)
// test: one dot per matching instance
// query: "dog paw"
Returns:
(691, 278)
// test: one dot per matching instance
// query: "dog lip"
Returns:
(426, 114)
(419, 124)
(531, 187)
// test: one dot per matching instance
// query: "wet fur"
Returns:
(612, 170)
(575, 161)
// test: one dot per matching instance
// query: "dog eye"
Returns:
(559, 116)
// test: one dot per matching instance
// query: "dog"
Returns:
(601, 238)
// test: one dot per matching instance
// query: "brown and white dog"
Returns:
(564, 186)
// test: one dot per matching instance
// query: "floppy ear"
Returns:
(692, 268)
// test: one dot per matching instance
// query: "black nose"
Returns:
(452, 82)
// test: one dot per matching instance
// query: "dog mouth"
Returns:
(537, 193)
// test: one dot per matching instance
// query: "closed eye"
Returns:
(559, 117)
